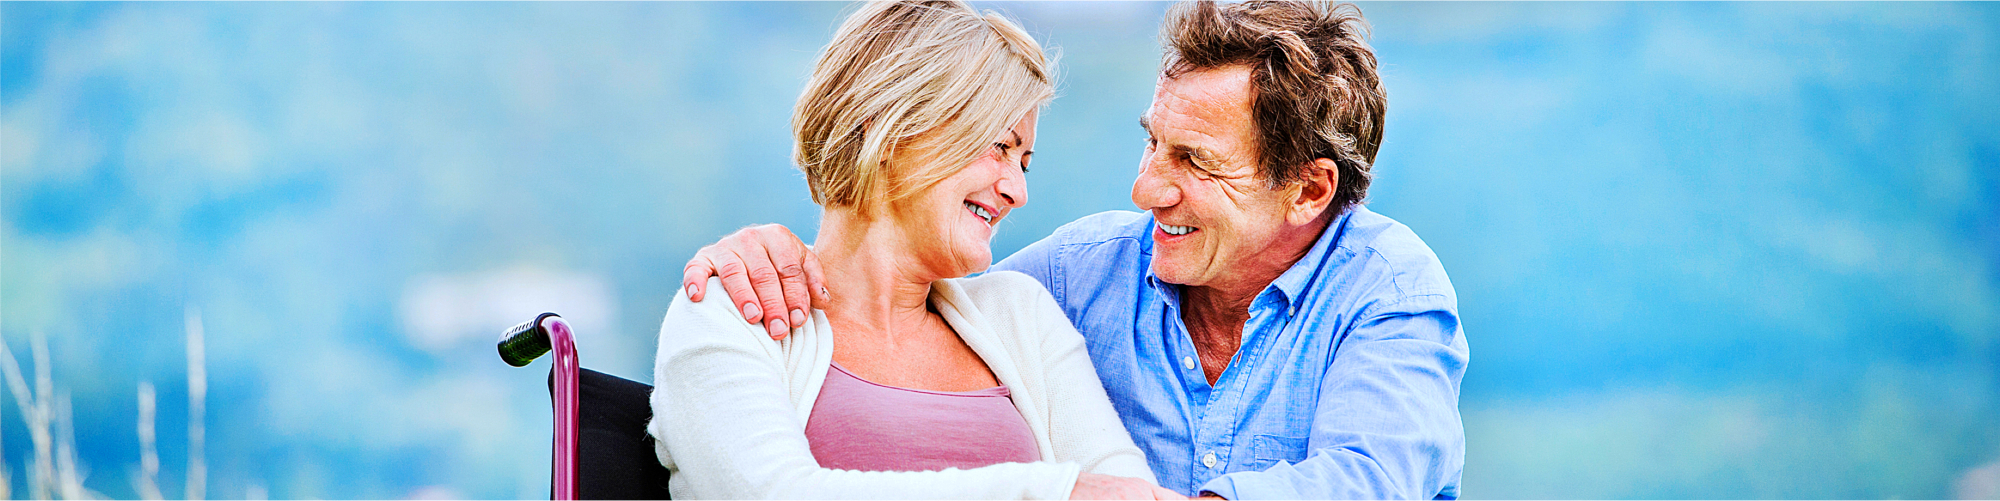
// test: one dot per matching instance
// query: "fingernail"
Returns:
(798, 317)
(690, 291)
(776, 326)
(751, 312)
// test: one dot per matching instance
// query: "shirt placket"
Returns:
(1216, 429)
(1195, 388)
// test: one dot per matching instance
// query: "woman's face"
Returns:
(949, 227)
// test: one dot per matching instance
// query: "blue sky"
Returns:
(1705, 250)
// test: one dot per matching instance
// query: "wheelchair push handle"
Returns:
(526, 342)
(523, 344)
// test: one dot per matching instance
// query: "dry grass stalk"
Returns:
(34, 412)
(55, 469)
(197, 474)
(18, 386)
(45, 473)
(146, 479)
(70, 471)
(6, 475)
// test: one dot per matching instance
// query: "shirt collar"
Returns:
(1295, 279)
(1290, 285)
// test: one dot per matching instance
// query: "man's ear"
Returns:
(1317, 183)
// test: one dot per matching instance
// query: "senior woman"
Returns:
(915, 134)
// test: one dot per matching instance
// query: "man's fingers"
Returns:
(760, 268)
(792, 279)
(816, 281)
(769, 293)
(694, 278)
(788, 255)
(795, 282)
(736, 282)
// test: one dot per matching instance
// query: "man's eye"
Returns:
(1200, 171)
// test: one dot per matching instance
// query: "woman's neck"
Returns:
(877, 289)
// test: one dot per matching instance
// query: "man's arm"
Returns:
(1387, 423)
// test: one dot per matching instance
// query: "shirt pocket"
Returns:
(1269, 449)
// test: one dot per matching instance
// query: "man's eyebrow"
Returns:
(1194, 152)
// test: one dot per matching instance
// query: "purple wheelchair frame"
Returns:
(523, 344)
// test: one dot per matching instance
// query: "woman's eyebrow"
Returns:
(1017, 137)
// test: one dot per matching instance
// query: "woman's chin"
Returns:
(970, 263)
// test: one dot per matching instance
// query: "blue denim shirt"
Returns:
(1345, 385)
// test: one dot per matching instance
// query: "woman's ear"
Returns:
(1317, 183)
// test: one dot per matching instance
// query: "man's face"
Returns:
(1216, 217)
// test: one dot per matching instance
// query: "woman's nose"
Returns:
(1013, 189)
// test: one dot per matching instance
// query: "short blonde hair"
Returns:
(907, 93)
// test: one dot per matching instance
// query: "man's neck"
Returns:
(1216, 314)
(1214, 321)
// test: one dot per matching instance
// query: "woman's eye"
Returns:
(1000, 150)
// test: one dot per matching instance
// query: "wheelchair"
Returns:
(601, 447)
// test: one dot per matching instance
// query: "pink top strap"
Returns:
(859, 425)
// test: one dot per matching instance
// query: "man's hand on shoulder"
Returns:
(771, 275)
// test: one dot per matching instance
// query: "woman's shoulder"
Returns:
(712, 319)
(714, 306)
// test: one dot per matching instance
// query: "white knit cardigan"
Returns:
(730, 405)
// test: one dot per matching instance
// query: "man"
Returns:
(1261, 333)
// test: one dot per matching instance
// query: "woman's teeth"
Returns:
(1175, 230)
(980, 211)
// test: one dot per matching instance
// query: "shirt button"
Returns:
(1187, 363)
(1208, 460)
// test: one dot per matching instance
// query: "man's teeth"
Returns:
(1175, 230)
(980, 211)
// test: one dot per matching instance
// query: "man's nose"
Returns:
(1152, 190)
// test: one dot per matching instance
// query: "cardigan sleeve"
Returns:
(725, 426)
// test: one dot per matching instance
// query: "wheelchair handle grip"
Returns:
(523, 344)
(526, 342)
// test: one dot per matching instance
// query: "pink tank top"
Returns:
(860, 425)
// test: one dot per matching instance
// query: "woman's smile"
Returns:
(985, 214)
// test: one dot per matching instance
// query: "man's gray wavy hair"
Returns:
(1315, 90)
